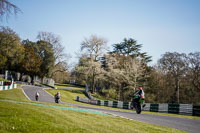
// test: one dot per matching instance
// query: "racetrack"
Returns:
(189, 125)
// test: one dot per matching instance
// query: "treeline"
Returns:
(176, 78)
(114, 74)
(117, 73)
(43, 58)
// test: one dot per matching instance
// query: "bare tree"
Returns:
(55, 40)
(123, 73)
(175, 66)
(94, 47)
(91, 50)
(61, 57)
(7, 8)
(61, 75)
(90, 71)
(194, 61)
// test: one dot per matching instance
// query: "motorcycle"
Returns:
(57, 99)
(137, 104)
(36, 98)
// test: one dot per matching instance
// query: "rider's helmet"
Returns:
(58, 94)
(139, 88)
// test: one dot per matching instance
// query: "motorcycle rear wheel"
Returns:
(138, 109)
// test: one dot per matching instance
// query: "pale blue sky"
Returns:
(160, 25)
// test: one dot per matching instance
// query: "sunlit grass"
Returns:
(68, 86)
(19, 117)
(70, 97)
(13, 94)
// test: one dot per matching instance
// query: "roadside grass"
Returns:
(172, 115)
(13, 94)
(67, 95)
(68, 86)
(23, 118)
(97, 96)
(19, 85)
(19, 117)
(1, 79)
(70, 97)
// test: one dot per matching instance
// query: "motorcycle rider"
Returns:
(138, 96)
(37, 96)
(57, 97)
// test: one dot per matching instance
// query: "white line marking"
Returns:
(26, 95)
(48, 92)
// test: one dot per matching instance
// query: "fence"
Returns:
(184, 109)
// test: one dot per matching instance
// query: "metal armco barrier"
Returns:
(173, 108)
(8, 87)
(115, 103)
(105, 103)
(163, 107)
(184, 109)
(125, 105)
(196, 110)
(154, 107)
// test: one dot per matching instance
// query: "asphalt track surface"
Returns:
(189, 125)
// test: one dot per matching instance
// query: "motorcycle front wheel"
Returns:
(57, 100)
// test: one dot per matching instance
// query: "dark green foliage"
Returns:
(11, 50)
(45, 51)
(32, 61)
(126, 68)
(129, 47)
(39, 57)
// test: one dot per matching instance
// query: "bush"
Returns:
(1, 79)
(110, 93)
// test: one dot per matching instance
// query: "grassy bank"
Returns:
(70, 97)
(21, 117)
(67, 95)
(13, 94)
(25, 118)
(68, 86)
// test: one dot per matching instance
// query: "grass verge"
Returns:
(19, 117)
(23, 118)
(70, 97)
(67, 95)
(68, 86)
(13, 94)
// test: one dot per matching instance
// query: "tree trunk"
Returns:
(21, 75)
(176, 92)
(93, 82)
(119, 94)
(32, 79)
